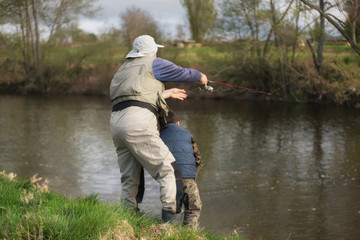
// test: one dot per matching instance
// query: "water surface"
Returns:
(271, 171)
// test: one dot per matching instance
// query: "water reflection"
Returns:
(278, 172)
(271, 171)
(65, 140)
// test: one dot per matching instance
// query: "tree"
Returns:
(336, 22)
(279, 29)
(319, 36)
(23, 13)
(37, 35)
(29, 16)
(352, 10)
(180, 33)
(136, 22)
(201, 16)
(246, 19)
(59, 14)
(267, 26)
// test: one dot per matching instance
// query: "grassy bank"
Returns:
(290, 76)
(28, 210)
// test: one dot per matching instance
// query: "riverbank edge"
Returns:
(193, 90)
(28, 209)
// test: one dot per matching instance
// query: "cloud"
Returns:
(168, 13)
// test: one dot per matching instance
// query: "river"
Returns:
(272, 171)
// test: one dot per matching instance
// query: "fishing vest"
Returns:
(135, 81)
(178, 140)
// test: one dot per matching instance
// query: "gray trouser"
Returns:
(138, 144)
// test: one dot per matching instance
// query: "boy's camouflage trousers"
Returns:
(192, 202)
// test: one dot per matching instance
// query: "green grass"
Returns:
(28, 210)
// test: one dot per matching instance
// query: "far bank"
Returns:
(88, 70)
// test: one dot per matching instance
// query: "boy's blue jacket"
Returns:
(179, 143)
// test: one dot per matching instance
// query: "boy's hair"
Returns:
(170, 118)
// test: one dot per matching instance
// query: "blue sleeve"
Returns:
(166, 71)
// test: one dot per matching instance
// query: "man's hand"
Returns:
(203, 79)
(174, 93)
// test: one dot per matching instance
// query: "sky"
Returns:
(168, 13)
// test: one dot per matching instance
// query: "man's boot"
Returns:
(170, 217)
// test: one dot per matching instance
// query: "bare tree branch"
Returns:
(335, 24)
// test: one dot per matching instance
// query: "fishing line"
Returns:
(284, 85)
(248, 89)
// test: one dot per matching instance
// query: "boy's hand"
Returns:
(174, 93)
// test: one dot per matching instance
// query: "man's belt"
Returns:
(122, 105)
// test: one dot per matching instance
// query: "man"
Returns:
(138, 96)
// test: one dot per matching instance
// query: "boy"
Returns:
(183, 147)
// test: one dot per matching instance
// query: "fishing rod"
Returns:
(230, 85)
